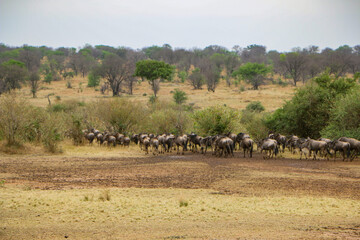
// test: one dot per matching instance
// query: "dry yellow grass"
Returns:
(157, 214)
(271, 96)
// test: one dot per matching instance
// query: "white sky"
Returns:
(277, 24)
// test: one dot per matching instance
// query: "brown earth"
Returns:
(244, 176)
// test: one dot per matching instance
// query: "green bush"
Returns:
(308, 112)
(152, 99)
(255, 106)
(14, 119)
(168, 118)
(254, 123)
(48, 78)
(93, 80)
(216, 120)
(344, 117)
(52, 132)
(182, 75)
(122, 115)
(179, 96)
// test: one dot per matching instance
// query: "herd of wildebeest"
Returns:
(226, 144)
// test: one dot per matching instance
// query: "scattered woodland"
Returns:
(325, 105)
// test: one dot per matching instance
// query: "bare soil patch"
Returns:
(238, 175)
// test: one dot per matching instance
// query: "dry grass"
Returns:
(271, 96)
(156, 214)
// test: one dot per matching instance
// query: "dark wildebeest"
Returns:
(119, 138)
(233, 137)
(169, 142)
(135, 138)
(180, 141)
(142, 136)
(291, 143)
(154, 143)
(354, 145)
(246, 143)
(224, 145)
(340, 146)
(270, 146)
(110, 139)
(161, 139)
(195, 141)
(89, 136)
(100, 138)
(317, 146)
(281, 140)
(205, 143)
(302, 145)
(126, 141)
(146, 144)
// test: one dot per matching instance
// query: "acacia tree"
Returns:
(115, 70)
(295, 64)
(196, 79)
(211, 71)
(12, 74)
(31, 56)
(34, 80)
(153, 71)
(253, 73)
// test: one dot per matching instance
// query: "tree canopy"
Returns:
(253, 73)
(153, 71)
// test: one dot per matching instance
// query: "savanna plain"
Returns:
(96, 192)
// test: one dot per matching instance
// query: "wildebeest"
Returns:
(206, 142)
(169, 142)
(146, 143)
(317, 146)
(180, 141)
(142, 136)
(354, 145)
(135, 138)
(291, 143)
(343, 147)
(126, 141)
(154, 143)
(100, 138)
(110, 139)
(246, 143)
(224, 145)
(162, 145)
(232, 136)
(302, 145)
(89, 136)
(195, 141)
(119, 138)
(270, 146)
(281, 140)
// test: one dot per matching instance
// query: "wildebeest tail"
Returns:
(228, 149)
(251, 149)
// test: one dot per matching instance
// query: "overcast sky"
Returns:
(277, 24)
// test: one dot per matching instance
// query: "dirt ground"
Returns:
(246, 176)
(233, 177)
